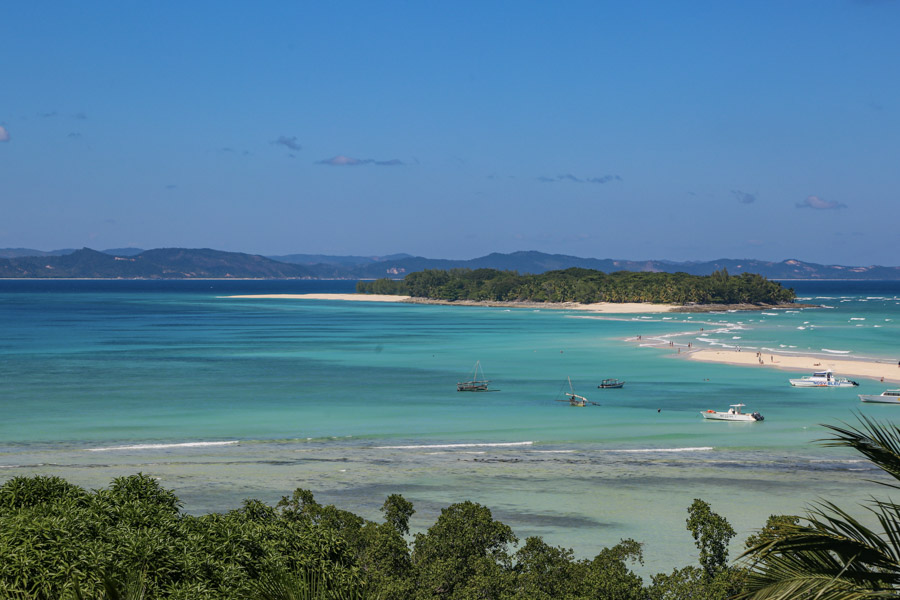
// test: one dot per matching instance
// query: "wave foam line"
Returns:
(436, 446)
(642, 450)
(160, 446)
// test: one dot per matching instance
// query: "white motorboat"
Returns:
(885, 397)
(822, 379)
(733, 414)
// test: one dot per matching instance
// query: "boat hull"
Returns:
(611, 386)
(472, 386)
(813, 383)
(724, 416)
(879, 399)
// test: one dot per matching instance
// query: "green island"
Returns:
(131, 541)
(584, 286)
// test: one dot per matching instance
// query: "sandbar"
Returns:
(803, 365)
(352, 297)
(599, 307)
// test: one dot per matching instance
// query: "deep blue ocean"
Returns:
(230, 398)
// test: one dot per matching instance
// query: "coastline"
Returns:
(804, 365)
(600, 307)
(801, 364)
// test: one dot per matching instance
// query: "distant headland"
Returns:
(205, 263)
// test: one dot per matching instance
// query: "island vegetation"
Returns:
(131, 541)
(584, 286)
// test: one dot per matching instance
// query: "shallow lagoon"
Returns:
(225, 399)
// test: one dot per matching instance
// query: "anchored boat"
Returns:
(822, 379)
(885, 397)
(608, 384)
(476, 384)
(733, 414)
(574, 399)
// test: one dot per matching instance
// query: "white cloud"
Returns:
(819, 204)
(4, 134)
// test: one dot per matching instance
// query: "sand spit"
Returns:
(600, 307)
(801, 364)
(351, 297)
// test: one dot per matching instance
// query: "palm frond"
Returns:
(879, 442)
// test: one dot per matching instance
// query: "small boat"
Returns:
(476, 384)
(608, 384)
(822, 379)
(574, 399)
(733, 414)
(885, 397)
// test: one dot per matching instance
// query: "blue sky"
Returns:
(638, 130)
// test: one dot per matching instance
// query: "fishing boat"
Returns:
(608, 384)
(733, 414)
(574, 399)
(476, 384)
(885, 397)
(822, 379)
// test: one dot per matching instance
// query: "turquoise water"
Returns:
(225, 399)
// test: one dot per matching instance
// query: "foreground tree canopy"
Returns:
(584, 286)
(131, 541)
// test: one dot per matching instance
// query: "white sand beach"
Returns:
(802, 365)
(599, 307)
(352, 297)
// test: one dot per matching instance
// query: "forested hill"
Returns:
(164, 263)
(24, 262)
(584, 286)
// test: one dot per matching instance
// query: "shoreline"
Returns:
(885, 371)
(843, 367)
(599, 307)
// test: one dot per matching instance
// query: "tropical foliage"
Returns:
(131, 541)
(830, 554)
(584, 286)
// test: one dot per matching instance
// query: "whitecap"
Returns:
(857, 318)
(470, 445)
(162, 446)
(644, 450)
(836, 351)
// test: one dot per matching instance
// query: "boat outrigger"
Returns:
(822, 379)
(476, 384)
(733, 414)
(608, 384)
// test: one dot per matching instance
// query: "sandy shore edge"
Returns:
(886, 371)
(600, 307)
(803, 365)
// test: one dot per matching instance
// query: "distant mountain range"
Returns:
(182, 263)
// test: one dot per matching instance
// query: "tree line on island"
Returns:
(584, 286)
(131, 541)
